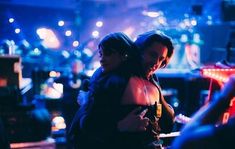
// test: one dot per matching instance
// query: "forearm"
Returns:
(167, 119)
(167, 109)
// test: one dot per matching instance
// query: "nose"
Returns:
(102, 60)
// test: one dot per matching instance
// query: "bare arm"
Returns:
(167, 118)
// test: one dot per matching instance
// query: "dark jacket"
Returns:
(95, 124)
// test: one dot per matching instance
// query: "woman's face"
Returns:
(109, 59)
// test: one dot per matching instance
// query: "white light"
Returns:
(77, 53)
(182, 25)
(176, 104)
(42, 33)
(17, 30)
(184, 38)
(75, 44)
(187, 22)
(162, 20)
(50, 39)
(95, 34)
(99, 23)
(68, 33)
(58, 119)
(88, 52)
(194, 22)
(65, 54)
(59, 122)
(61, 23)
(209, 22)
(36, 51)
(196, 38)
(151, 14)
(90, 72)
(11, 20)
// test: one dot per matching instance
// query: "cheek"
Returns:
(116, 62)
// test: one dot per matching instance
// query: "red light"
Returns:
(220, 75)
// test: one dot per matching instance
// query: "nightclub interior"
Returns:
(48, 49)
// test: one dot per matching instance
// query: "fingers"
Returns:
(142, 124)
(142, 114)
(134, 122)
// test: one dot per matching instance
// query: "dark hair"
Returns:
(118, 42)
(146, 39)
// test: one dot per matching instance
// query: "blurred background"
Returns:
(40, 39)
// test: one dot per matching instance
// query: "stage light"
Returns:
(58, 123)
(187, 22)
(42, 33)
(54, 74)
(196, 38)
(95, 34)
(162, 20)
(209, 20)
(88, 52)
(151, 14)
(11, 20)
(60, 23)
(182, 25)
(17, 30)
(184, 38)
(36, 52)
(99, 23)
(68, 33)
(194, 22)
(89, 73)
(65, 54)
(76, 43)
(221, 75)
(77, 53)
(49, 38)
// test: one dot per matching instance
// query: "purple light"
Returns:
(99, 23)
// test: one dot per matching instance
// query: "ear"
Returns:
(164, 63)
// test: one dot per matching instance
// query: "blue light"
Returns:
(99, 23)
(17, 30)
(11, 20)
(61, 23)
(68, 33)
